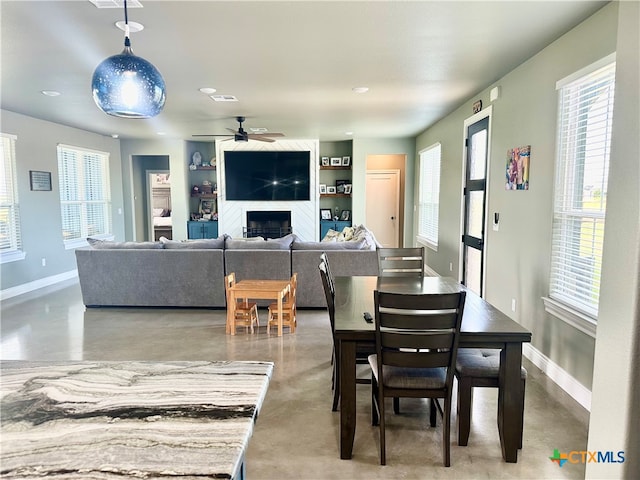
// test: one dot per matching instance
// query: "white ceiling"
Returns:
(292, 65)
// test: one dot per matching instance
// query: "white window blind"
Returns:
(85, 198)
(10, 242)
(582, 166)
(429, 195)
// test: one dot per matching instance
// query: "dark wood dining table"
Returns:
(483, 326)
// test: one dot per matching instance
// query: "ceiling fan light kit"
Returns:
(128, 86)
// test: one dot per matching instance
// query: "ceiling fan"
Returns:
(241, 135)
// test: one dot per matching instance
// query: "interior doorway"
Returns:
(475, 202)
(383, 206)
(159, 205)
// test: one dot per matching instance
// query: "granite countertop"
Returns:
(128, 419)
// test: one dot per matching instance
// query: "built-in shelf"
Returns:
(334, 195)
(205, 168)
(204, 195)
(334, 168)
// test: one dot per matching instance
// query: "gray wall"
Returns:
(518, 255)
(40, 220)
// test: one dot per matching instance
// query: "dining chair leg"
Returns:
(382, 427)
(375, 413)
(336, 376)
(432, 412)
(446, 431)
(336, 388)
(396, 405)
(465, 404)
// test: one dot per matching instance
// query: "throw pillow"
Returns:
(331, 236)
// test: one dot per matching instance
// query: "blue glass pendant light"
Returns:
(126, 85)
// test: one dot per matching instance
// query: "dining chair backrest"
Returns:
(401, 262)
(325, 259)
(329, 294)
(229, 281)
(418, 331)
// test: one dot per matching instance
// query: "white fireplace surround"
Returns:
(232, 215)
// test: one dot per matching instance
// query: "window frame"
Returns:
(15, 251)
(431, 189)
(82, 154)
(572, 305)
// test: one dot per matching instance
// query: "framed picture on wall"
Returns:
(331, 190)
(345, 216)
(323, 188)
(347, 189)
(325, 161)
(325, 214)
(336, 161)
(340, 186)
(346, 161)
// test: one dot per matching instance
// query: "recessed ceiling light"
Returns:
(50, 93)
(114, 135)
(161, 133)
(134, 27)
(360, 89)
(348, 133)
(208, 90)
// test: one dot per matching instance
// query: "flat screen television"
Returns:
(264, 175)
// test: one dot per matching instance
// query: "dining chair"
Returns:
(246, 312)
(325, 259)
(479, 367)
(401, 262)
(416, 345)
(362, 350)
(288, 308)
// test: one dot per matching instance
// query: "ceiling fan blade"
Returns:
(270, 134)
(232, 131)
(210, 135)
(260, 138)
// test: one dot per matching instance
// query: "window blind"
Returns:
(582, 166)
(429, 194)
(9, 207)
(85, 197)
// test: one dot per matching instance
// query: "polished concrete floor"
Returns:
(296, 435)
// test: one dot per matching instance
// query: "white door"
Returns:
(383, 206)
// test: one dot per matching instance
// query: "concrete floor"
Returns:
(297, 435)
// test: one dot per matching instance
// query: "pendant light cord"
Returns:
(127, 42)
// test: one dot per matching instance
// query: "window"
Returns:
(582, 164)
(10, 244)
(429, 195)
(85, 198)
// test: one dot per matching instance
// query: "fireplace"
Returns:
(267, 224)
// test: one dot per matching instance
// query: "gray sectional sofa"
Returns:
(191, 274)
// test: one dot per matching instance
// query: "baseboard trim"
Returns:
(37, 284)
(575, 389)
(430, 272)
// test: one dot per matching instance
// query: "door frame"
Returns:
(468, 122)
(400, 212)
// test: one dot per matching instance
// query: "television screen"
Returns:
(261, 175)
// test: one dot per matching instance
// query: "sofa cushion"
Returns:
(108, 244)
(205, 243)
